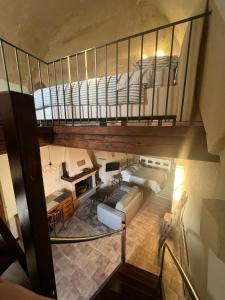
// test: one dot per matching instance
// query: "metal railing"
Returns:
(85, 87)
(75, 240)
(182, 273)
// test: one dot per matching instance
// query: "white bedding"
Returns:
(99, 97)
(147, 177)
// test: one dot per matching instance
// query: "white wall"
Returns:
(103, 158)
(212, 104)
(13, 86)
(73, 155)
(51, 175)
(203, 180)
(8, 192)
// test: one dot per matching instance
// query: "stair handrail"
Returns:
(184, 276)
(81, 239)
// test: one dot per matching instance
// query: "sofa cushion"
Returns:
(124, 202)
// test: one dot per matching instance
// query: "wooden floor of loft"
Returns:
(185, 142)
(165, 141)
(169, 120)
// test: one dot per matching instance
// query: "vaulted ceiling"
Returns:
(54, 28)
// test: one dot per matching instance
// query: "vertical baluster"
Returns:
(128, 78)
(18, 69)
(140, 88)
(30, 74)
(106, 82)
(63, 89)
(170, 62)
(4, 65)
(42, 95)
(87, 85)
(96, 84)
(117, 93)
(186, 70)
(56, 90)
(78, 85)
(155, 69)
(50, 92)
(71, 91)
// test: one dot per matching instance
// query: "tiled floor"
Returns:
(81, 268)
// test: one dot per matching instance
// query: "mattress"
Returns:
(98, 97)
(108, 90)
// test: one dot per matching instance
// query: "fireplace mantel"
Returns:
(78, 176)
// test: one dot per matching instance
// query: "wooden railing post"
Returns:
(17, 114)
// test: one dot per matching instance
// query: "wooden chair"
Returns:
(57, 216)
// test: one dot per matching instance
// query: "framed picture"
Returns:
(81, 163)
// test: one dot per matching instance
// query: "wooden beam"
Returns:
(177, 142)
(133, 130)
(45, 137)
(17, 114)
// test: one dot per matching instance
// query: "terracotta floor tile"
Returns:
(81, 268)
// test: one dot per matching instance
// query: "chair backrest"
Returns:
(54, 218)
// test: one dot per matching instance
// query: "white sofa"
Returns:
(128, 206)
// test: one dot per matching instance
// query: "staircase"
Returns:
(10, 250)
(6, 258)
(130, 283)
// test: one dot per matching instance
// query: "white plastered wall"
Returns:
(103, 157)
(203, 180)
(51, 175)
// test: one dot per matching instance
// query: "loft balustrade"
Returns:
(147, 77)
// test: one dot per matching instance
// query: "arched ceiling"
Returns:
(181, 9)
(55, 28)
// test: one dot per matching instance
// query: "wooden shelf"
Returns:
(78, 176)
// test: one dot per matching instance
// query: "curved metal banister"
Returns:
(186, 280)
(76, 239)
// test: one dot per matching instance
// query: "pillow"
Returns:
(123, 203)
(135, 166)
(162, 62)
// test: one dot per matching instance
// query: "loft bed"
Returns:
(150, 172)
(156, 87)
(110, 96)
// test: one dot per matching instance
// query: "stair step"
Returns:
(131, 283)
(110, 295)
(131, 292)
(6, 258)
(140, 275)
(146, 289)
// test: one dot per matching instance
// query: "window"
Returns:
(178, 183)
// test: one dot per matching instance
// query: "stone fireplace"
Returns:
(83, 186)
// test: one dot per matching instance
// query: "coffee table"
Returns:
(103, 194)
